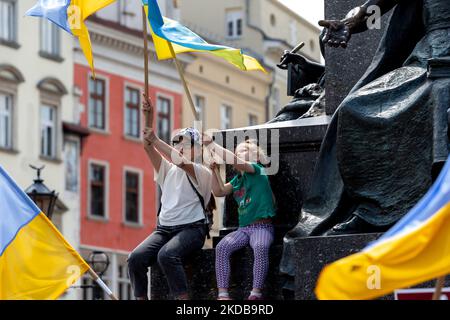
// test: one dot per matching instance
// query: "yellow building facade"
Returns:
(263, 29)
(225, 96)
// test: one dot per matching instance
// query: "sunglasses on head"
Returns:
(175, 143)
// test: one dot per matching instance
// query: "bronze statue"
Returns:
(305, 84)
(389, 138)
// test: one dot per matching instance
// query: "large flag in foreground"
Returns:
(70, 16)
(184, 40)
(415, 250)
(36, 262)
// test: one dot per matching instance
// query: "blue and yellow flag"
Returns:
(415, 250)
(36, 262)
(165, 30)
(70, 16)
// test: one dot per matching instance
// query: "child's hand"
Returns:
(207, 140)
(213, 165)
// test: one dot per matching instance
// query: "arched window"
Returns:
(51, 92)
(10, 78)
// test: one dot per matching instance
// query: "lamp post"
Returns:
(42, 196)
(99, 262)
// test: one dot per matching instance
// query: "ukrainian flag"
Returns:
(165, 30)
(36, 262)
(415, 250)
(70, 16)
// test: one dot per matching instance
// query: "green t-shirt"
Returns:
(253, 195)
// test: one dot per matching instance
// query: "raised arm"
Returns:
(218, 187)
(174, 156)
(228, 156)
(339, 32)
(149, 135)
(156, 148)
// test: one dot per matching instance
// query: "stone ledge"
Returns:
(314, 253)
(200, 271)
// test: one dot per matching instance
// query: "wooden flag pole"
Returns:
(189, 96)
(180, 71)
(438, 289)
(102, 285)
(145, 35)
(186, 88)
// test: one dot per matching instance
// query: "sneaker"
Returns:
(254, 298)
(223, 296)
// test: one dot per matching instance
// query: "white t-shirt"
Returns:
(179, 202)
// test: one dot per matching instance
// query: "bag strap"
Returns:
(202, 201)
(159, 209)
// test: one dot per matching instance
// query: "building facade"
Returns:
(88, 132)
(262, 28)
(38, 115)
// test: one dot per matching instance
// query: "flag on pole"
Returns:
(164, 30)
(70, 16)
(415, 250)
(36, 262)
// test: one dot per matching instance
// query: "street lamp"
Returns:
(99, 262)
(41, 195)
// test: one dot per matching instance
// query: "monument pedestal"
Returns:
(314, 253)
(201, 274)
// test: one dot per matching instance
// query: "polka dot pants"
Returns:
(259, 237)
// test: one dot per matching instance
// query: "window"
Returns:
(164, 118)
(48, 131)
(273, 20)
(72, 162)
(225, 117)
(129, 15)
(132, 196)
(6, 121)
(50, 39)
(132, 113)
(124, 285)
(97, 104)
(234, 23)
(252, 120)
(200, 106)
(91, 290)
(312, 44)
(8, 20)
(97, 182)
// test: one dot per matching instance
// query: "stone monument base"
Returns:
(314, 253)
(201, 274)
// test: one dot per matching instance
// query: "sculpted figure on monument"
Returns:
(306, 84)
(389, 138)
